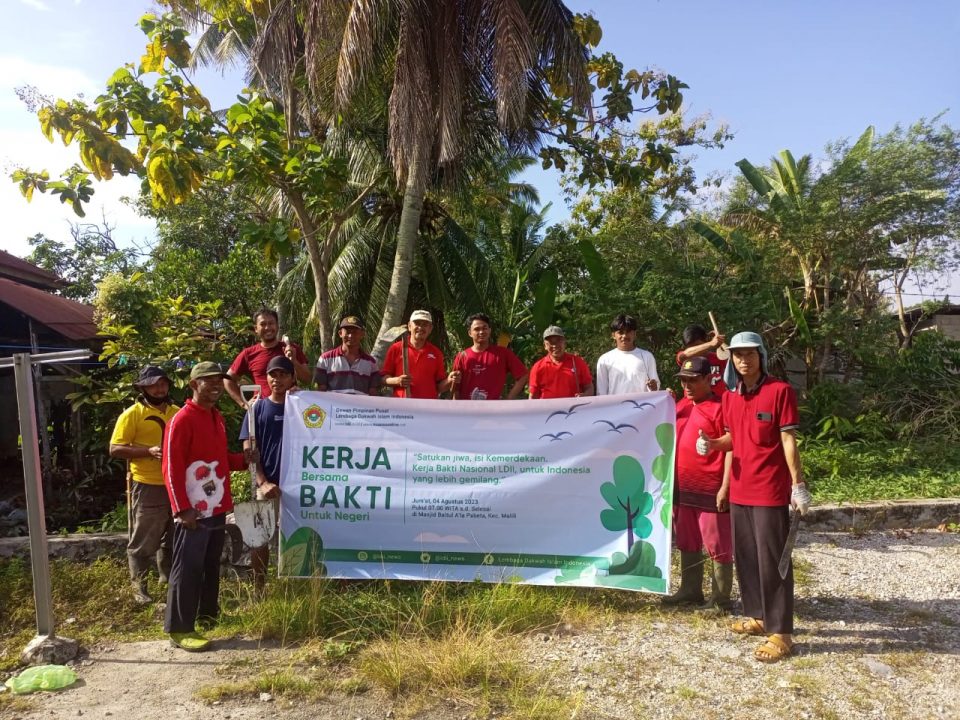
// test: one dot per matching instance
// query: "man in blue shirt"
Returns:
(268, 426)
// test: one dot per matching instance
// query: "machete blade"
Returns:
(786, 555)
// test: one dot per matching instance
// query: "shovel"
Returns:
(723, 352)
(257, 519)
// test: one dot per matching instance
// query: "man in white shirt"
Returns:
(626, 368)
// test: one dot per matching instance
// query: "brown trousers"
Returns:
(759, 534)
(151, 537)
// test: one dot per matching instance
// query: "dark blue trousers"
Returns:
(195, 575)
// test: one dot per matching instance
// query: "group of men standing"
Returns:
(736, 451)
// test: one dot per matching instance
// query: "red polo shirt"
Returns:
(567, 378)
(427, 368)
(253, 361)
(484, 374)
(759, 475)
(699, 477)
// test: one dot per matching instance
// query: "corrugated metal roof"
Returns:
(19, 269)
(69, 318)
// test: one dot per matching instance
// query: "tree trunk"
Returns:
(407, 235)
(321, 303)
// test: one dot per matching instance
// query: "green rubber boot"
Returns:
(722, 587)
(691, 581)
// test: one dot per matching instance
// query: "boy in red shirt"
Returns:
(761, 418)
(196, 471)
(427, 376)
(696, 343)
(559, 374)
(480, 372)
(701, 518)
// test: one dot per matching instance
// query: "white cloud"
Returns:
(58, 81)
(36, 5)
(46, 214)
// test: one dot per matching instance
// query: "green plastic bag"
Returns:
(42, 677)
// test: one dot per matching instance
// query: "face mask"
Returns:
(154, 402)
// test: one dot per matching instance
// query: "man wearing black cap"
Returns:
(701, 512)
(268, 432)
(138, 439)
(347, 368)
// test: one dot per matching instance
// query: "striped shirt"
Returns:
(336, 373)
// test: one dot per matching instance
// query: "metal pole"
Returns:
(41, 409)
(33, 484)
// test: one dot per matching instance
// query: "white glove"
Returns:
(703, 444)
(800, 498)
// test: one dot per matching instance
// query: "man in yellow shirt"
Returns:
(138, 439)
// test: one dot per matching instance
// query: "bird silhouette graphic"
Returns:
(637, 404)
(556, 436)
(566, 413)
(615, 428)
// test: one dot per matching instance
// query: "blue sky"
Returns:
(791, 74)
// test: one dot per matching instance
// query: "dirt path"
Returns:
(878, 631)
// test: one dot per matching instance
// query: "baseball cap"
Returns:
(150, 374)
(745, 340)
(280, 362)
(694, 367)
(421, 315)
(207, 369)
(351, 321)
(553, 331)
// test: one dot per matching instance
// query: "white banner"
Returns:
(575, 491)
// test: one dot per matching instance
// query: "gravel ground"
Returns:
(877, 637)
(877, 620)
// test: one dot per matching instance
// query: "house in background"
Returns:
(34, 319)
(944, 319)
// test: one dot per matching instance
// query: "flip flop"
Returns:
(750, 626)
(773, 649)
(191, 641)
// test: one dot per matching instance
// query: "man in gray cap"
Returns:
(138, 439)
(761, 419)
(559, 374)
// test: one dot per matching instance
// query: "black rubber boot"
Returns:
(691, 581)
(722, 587)
(138, 579)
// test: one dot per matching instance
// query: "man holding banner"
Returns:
(347, 368)
(559, 374)
(480, 372)
(422, 373)
(701, 517)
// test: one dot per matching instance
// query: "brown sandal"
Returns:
(773, 649)
(750, 626)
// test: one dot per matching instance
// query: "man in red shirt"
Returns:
(701, 518)
(196, 471)
(480, 372)
(427, 376)
(253, 360)
(761, 419)
(696, 343)
(559, 374)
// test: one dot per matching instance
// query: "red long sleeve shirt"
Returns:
(196, 464)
